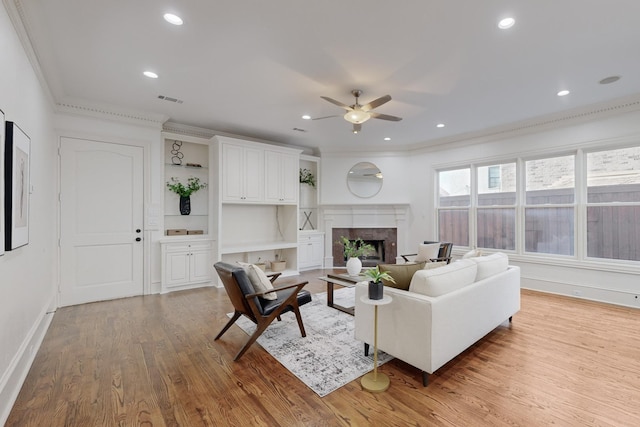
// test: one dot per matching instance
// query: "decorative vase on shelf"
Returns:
(354, 266)
(185, 205)
(375, 290)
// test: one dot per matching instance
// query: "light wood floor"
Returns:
(152, 361)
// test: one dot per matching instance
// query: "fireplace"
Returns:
(382, 239)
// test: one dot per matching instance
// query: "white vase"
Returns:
(354, 266)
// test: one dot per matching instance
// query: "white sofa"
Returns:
(444, 311)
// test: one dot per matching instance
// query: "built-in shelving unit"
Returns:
(308, 205)
(256, 202)
(187, 260)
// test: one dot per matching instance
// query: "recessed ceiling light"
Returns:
(611, 79)
(306, 117)
(150, 74)
(172, 19)
(440, 125)
(563, 93)
(506, 23)
(387, 139)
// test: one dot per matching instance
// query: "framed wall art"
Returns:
(2, 183)
(16, 186)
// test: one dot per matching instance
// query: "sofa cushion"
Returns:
(430, 265)
(442, 280)
(259, 280)
(490, 265)
(427, 251)
(401, 273)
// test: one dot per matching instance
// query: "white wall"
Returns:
(335, 167)
(27, 273)
(618, 283)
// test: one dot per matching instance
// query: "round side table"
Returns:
(375, 382)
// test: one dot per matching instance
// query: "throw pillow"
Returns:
(490, 265)
(259, 280)
(442, 280)
(427, 251)
(430, 265)
(472, 254)
(401, 273)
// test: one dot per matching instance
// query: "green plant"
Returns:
(306, 177)
(376, 275)
(355, 248)
(193, 185)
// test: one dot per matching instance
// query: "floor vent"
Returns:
(170, 99)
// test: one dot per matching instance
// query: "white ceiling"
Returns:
(253, 68)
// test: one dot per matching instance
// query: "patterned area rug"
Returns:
(329, 357)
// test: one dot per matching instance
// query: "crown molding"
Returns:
(537, 124)
(111, 113)
(15, 10)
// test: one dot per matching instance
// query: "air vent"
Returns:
(299, 130)
(170, 99)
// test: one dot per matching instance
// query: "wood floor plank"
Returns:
(152, 361)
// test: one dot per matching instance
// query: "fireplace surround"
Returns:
(383, 239)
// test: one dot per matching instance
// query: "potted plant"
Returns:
(306, 177)
(375, 284)
(353, 249)
(185, 191)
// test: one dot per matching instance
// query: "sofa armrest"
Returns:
(403, 325)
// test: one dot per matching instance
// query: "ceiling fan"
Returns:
(358, 114)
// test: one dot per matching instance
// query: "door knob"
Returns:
(138, 239)
(138, 230)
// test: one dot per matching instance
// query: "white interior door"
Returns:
(101, 221)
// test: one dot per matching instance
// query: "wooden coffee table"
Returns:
(345, 281)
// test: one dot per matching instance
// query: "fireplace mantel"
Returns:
(363, 216)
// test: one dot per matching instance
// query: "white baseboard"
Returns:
(627, 299)
(12, 380)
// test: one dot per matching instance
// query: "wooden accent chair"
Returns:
(260, 311)
(444, 253)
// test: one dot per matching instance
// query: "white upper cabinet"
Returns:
(242, 174)
(281, 177)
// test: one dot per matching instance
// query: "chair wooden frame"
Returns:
(250, 305)
(444, 253)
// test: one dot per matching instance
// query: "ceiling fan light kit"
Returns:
(358, 114)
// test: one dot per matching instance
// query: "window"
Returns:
(496, 211)
(493, 174)
(549, 209)
(453, 206)
(613, 204)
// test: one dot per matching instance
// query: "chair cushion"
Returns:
(490, 265)
(427, 251)
(401, 273)
(259, 280)
(442, 280)
(304, 296)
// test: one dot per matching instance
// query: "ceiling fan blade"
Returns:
(376, 103)
(338, 103)
(357, 127)
(326, 117)
(385, 117)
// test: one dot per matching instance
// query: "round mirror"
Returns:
(364, 179)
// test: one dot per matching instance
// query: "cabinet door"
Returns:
(177, 268)
(281, 177)
(253, 175)
(305, 253)
(200, 266)
(232, 173)
(272, 176)
(317, 251)
(289, 178)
